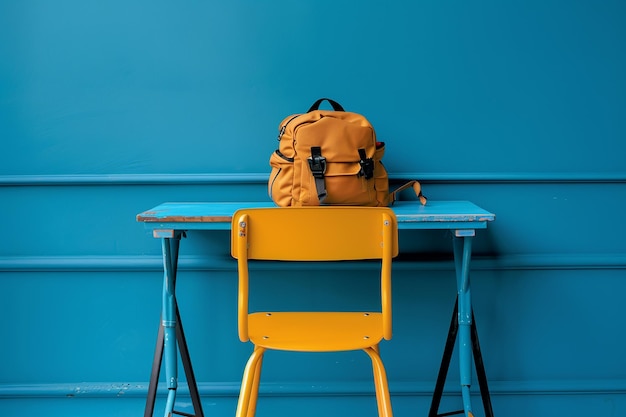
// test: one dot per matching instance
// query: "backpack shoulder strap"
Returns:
(417, 187)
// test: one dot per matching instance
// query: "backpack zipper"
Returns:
(286, 158)
(284, 127)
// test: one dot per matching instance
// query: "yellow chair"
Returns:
(314, 234)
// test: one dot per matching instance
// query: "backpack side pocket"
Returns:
(280, 184)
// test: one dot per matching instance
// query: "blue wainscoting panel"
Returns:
(110, 108)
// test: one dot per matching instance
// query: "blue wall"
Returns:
(110, 108)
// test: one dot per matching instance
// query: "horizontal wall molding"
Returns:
(312, 389)
(223, 263)
(261, 178)
(132, 179)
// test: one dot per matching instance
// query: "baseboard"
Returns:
(312, 389)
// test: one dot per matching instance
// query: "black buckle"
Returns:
(317, 162)
(367, 165)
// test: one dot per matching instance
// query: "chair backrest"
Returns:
(314, 234)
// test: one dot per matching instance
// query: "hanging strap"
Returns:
(317, 164)
(336, 106)
(416, 187)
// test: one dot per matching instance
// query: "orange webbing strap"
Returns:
(416, 187)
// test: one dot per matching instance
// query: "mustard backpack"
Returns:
(330, 157)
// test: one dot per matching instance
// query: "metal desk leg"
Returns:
(445, 365)
(462, 325)
(168, 321)
(156, 371)
(462, 256)
(171, 335)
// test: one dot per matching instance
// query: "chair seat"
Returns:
(315, 331)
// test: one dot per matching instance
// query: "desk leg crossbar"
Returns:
(462, 325)
(170, 336)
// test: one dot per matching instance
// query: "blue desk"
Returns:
(169, 222)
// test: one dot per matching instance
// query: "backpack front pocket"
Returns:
(346, 186)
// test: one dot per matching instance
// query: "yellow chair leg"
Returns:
(254, 393)
(248, 381)
(383, 398)
(377, 384)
